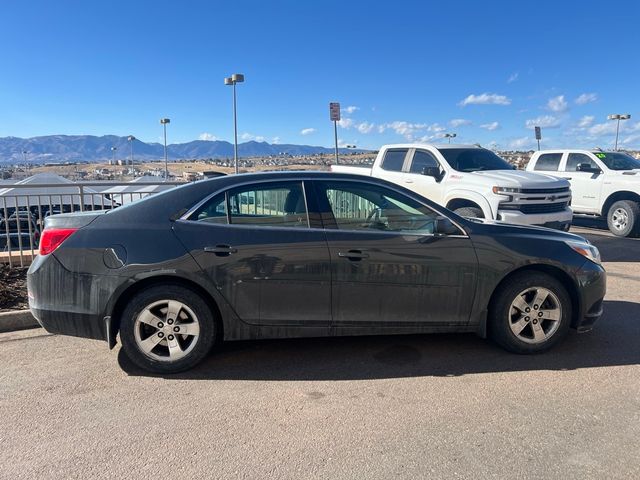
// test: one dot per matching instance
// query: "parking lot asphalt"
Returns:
(438, 406)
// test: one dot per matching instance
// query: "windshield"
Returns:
(474, 159)
(618, 161)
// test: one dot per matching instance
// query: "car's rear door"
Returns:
(388, 267)
(258, 246)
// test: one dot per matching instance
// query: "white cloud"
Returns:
(459, 122)
(600, 129)
(490, 126)
(275, 140)
(586, 98)
(557, 104)
(346, 122)
(485, 99)
(513, 77)
(365, 127)
(545, 121)
(249, 137)
(586, 121)
(307, 131)
(207, 136)
(412, 131)
(350, 109)
(520, 143)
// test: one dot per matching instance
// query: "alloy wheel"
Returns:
(620, 219)
(166, 330)
(535, 315)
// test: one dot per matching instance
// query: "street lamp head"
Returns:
(131, 138)
(614, 116)
(626, 116)
(237, 77)
(165, 121)
(228, 81)
(113, 149)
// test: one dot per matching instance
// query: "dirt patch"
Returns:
(13, 288)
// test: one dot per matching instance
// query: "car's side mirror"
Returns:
(432, 172)
(586, 167)
(445, 226)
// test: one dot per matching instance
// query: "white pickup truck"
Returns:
(473, 182)
(604, 184)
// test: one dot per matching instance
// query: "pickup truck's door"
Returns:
(586, 187)
(418, 176)
(388, 268)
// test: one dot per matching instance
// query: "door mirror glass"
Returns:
(431, 172)
(444, 226)
(587, 167)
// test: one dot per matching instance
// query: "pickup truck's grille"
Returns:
(545, 190)
(533, 208)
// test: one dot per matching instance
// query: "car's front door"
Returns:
(257, 246)
(585, 186)
(418, 179)
(389, 268)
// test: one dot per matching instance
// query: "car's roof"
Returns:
(575, 150)
(439, 146)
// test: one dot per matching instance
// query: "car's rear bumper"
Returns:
(592, 282)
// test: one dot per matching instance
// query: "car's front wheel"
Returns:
(530, 313)
(167, 329)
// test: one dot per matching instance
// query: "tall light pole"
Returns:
(450, 136)
(113, 152)
(164, 122)
(618, 117)
(232, 80)
(131, 138)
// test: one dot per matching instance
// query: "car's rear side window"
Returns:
(213, 211)
(394, 159)
(548, 162)
(279, 204)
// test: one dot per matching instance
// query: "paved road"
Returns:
(443, 406)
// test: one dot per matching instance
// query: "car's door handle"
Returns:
(408, 181)
(354, 255)
(221, 250)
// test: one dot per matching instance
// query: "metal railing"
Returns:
(24, 208)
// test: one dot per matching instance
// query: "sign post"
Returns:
(538, 136)
(334, 114)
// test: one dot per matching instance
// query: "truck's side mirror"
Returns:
(444, 226)
(432, 172)
(587, 167)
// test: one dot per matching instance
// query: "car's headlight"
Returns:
(586, 250)
(505, 190)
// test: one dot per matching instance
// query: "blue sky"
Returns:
(402, 71)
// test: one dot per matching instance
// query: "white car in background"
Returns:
(473, 182)
(604, 184)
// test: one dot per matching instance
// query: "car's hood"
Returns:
(522, 179)
(499, 227)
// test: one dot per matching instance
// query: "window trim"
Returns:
(409, 161)
(317, 210)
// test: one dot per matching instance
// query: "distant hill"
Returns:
(73, 148)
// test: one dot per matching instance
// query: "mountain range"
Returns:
(74, 148)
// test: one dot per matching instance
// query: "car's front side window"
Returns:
(576, 159)
(422, 160)
(357, 206)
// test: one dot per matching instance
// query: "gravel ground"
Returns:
(13, 288)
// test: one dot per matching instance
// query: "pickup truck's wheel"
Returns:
(623, 218)
(167, 329)
(530, 313)
(472, 212)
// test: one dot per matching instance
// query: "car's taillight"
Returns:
(52, 238)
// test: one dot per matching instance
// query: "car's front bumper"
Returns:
(553, 220)
(592, 284)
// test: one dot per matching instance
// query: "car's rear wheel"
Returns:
(530, 313)
(167, 329)
(623, 218)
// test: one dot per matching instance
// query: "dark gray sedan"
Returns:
(302, 254)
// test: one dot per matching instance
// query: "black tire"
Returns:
(623, 218)
(471, 212)
(157, 294)
(502, 315)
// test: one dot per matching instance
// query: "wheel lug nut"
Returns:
(160, 324)
(526, 319)
(170, 337)
(540, 314)
(535, 307)
(535, 321)
(169, 321)
(527, 309)
(176, 329)
(160, 334)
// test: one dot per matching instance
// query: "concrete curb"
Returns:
(17, 320)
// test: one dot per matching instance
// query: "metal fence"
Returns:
(25, 207)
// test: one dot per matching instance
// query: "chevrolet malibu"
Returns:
(295, 254)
